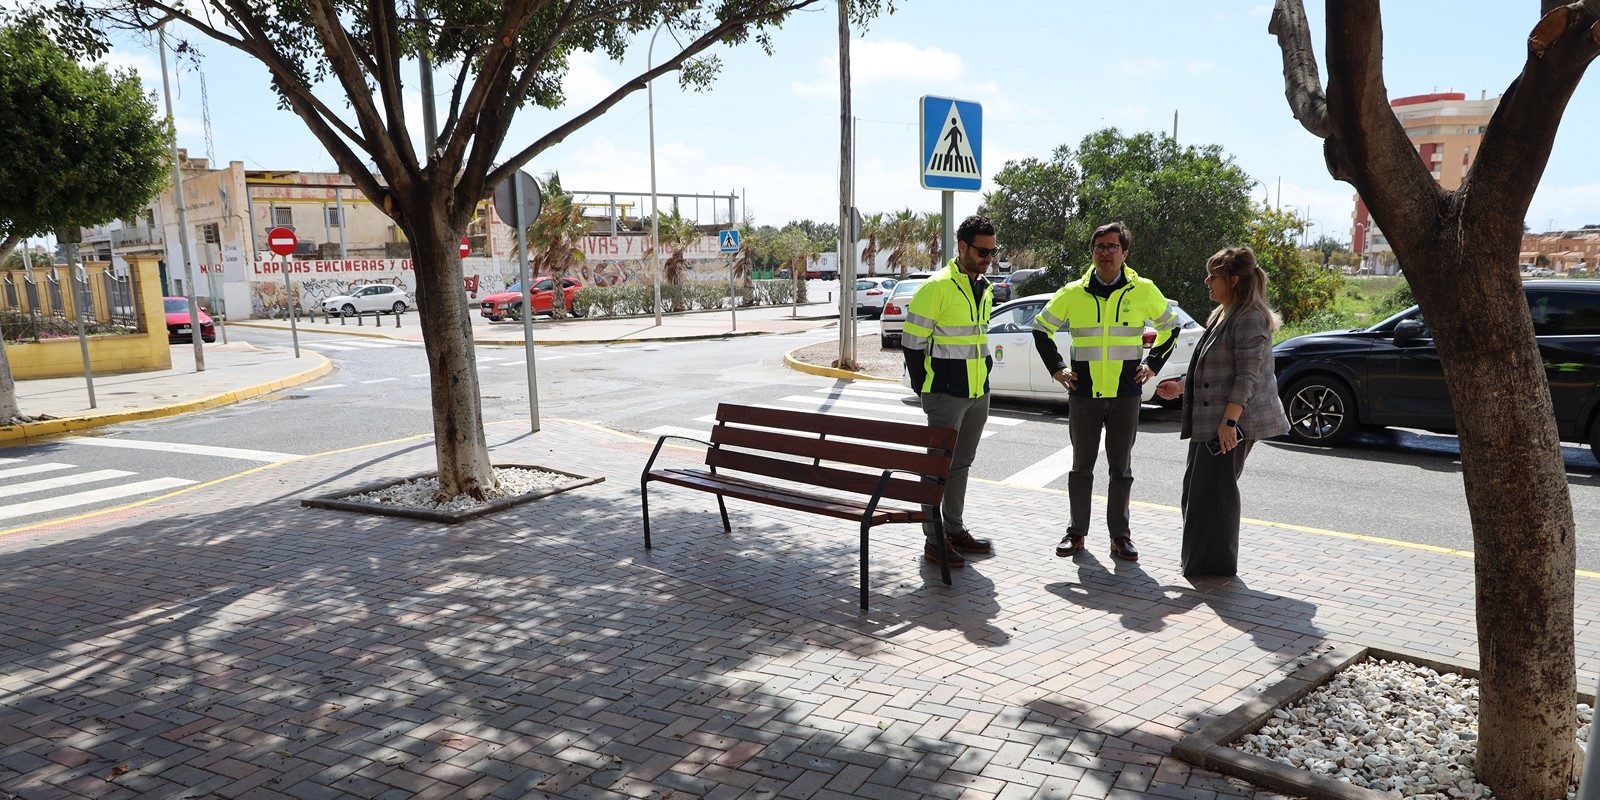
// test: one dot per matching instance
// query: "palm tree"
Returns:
(903, 234)
(871, 229)
(933, 235)
(557, 236)
(678, 233)
(751, 245)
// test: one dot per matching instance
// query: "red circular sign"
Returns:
(466, 247)
(281, 241)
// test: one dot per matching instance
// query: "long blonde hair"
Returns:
(1249, 292)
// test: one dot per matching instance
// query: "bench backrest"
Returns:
(744, 436)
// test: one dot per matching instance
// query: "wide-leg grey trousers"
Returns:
(1211, 510)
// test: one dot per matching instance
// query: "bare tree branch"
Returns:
(1522, 132)
(1367, 145)
(490, 81)
(1301, 82)
(699, 45)
(395, 148)
(455, 95)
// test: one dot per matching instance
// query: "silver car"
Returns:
(893, 319)
(871, 292)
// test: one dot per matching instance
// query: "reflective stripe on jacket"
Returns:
(946, 335)
(1107, 329)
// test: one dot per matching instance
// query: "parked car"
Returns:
(372, 297)
(1390, 374)
(1541, 272)
(892, 320)
(178, 330)
(1019, 372)
(1006, 288)
(871, 292)
(508, 304)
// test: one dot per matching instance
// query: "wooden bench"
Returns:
(765, 445)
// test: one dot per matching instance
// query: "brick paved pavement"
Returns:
(228, 643)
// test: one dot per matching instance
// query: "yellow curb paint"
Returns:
(827, 372)
(38, 430)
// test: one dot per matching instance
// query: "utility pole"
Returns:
(183, 217)
(847, 237)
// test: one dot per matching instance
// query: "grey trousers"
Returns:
(967, 416)
(1086, 417)
(1211, 510)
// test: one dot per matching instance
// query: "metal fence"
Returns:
(43, 302)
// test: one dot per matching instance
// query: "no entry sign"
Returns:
(281, 241)
(466, 246)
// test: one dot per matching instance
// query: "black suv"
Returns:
(1389, 374)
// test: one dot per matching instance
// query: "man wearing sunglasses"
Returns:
(947, 356)
(1105, 311)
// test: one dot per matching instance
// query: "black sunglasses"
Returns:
(983, 252)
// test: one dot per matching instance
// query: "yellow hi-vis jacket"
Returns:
(946, 338)
(1107, 326)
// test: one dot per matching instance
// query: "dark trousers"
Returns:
(1086, 417)
(1211, 510)
(967, 417)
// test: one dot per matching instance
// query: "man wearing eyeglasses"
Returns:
(946, 348)
(1105, 312)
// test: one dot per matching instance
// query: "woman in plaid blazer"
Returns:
(1230, 402)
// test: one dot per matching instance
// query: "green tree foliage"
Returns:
(1299, 287)
(1033, 203)
(1182, 203)
(89, 149)
(1327, 248)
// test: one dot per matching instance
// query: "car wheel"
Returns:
(348, 310)
(886, 342)
(399, 308)
(1321, 411)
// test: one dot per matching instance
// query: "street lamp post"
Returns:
(183, 221)
(655, 215)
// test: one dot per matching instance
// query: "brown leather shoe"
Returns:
(1070, 546)
(930, 551)
(967, 543)
(1122, 547)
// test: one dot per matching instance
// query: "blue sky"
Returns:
(1047, 73)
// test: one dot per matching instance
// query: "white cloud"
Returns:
(1202, 68)
(1142, 66)
(877, 62)
(1569, 207)
(586, 83)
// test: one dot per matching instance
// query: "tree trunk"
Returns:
(1518, 499)
(8, 390)
(459, 444)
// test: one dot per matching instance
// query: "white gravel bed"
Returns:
(1389, 726)
(419, 492)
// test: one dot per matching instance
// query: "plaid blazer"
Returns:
(1233, 363)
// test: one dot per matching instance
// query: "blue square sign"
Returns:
(728, 240)
(952, 144)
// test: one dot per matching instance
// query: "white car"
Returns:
(373, 297)
(872, 292)
(1019, 371)
(892, 320)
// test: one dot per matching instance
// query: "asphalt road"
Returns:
(1396, 484)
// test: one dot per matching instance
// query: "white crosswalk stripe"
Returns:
(181, 447)
(31, 469)
(95, 496)
(27, 487)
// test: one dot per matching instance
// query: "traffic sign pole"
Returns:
(728, 245)
(281, 241)
(527, 299)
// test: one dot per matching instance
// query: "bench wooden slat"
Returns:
(810, 422)
(937, 466)
(799, 501)
(831, 477)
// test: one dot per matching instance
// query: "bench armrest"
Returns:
(657, 451)
(883, 483)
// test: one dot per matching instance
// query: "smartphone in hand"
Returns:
(1214, 447)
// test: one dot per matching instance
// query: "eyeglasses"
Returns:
(1107, 248)
(983, 252)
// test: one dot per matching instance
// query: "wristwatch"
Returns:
(1232, 423)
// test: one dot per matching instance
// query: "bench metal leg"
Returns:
(944, 552)
(644, 501)
(864, 530)
(723, 507)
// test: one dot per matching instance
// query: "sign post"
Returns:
(518, 199)
(282, 242)
(728, 244)
(952, 154)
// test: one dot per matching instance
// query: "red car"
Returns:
(508, 304)
(177, 309)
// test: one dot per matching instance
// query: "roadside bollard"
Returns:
(397, 319)
(341, 319)
(361, 320)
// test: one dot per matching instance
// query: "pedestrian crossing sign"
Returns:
(952, 144)
(728, 240)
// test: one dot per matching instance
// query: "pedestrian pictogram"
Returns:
(728, 240)
(281, 241)
(952, 144)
